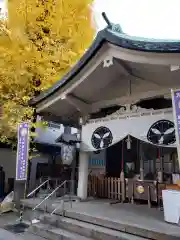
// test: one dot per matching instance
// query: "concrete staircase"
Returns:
(52, 233)
(71, 227)
(96, 221)
(64, 228)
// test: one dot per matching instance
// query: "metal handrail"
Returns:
(58, 207)
(42, 184)
(62, 205)
(46, 198)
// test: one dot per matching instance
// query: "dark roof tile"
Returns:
(114, 36)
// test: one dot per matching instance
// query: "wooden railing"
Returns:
(104, 187)
(110, 188)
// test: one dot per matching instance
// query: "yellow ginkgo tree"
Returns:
(39, 42)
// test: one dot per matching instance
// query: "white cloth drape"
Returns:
(137, 126)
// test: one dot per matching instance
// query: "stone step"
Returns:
(150, 233)
(6, 235)
(160, 231)
(87, 229)
(30, 236)
(53, 233)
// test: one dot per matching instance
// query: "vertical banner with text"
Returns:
(22, 152)
(176, 112)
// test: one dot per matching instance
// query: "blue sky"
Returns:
(144, 18)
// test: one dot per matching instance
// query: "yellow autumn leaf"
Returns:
(39, 43)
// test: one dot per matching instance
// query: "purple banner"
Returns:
(22, 152)
(176, 109)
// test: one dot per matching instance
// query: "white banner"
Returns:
(156, 128)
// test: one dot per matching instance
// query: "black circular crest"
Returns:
(101, 138)
(162, 132)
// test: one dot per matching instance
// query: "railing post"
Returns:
(63, 207)
(71, 191)
(48, 184)
(65, 188)
(45, 208)
(73, 187)
(56, 187)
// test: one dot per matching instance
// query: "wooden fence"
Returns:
(111, 188)
(104, 187)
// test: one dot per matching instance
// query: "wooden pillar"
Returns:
(73, 172)
(173, 162)
(141, 161)
(161, 170)
(162, 164)
(154, 166)
(122, 178)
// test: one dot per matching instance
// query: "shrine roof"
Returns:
(113, 35)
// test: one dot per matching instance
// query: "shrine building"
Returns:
(119, 96)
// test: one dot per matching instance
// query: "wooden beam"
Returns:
(78, 79)
(78, 103)
(128, 70)
(57, 119)
(133, 99)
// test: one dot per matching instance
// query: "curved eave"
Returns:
(119, 39)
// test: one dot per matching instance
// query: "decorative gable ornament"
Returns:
(108, 61)
(130, 109)
(117, 28)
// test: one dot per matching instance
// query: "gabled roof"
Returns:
(113, 35)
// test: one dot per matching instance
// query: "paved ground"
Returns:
(7, 218)
(10, 218)
(131, 214)
(5, 235)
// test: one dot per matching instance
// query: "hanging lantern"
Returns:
(128, 141)
(67, 154)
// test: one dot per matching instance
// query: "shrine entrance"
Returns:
(147, 162)
(108, 95)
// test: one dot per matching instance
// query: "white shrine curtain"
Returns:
(157, 129)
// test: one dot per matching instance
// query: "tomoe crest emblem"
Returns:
(101, 138)
(162, 132)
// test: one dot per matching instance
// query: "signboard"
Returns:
(176, 112)
(1, 111)
(22, 152)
